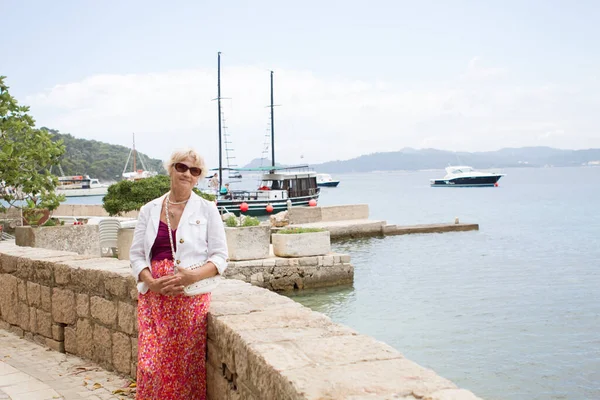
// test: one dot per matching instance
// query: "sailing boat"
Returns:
(279, 187)
(136, 174)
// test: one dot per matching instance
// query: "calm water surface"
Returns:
(511, 311)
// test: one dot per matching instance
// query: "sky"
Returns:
(350, 77)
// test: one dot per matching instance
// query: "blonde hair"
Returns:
(180, 155)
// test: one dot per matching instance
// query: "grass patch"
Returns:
(290, 231)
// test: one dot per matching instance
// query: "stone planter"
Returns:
(248, 243)
(301, 244)
(124, 240)
(81, 239)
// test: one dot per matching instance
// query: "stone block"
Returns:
(62, 274)
(8, 263)
(70, 340)
(58, 332)
(345, 259)
(22, 289)
(83, 305)
(103, 311)
(102, 346)
(85, 338)
(34, 295)
(41, 340)
(46, 294)
(9, 298)
(55, 345)
(308, 261)
(33, 319)
(88, 280)
(44, 323)
(116, 286)
(28, 336)
(127, 318)
(121, 352)
(248, 243)
(63, 306)
(42, 272)
(23, 313)
(328, 261)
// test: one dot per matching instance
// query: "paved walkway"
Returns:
(32, 372)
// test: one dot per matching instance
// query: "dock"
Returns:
(352, 221)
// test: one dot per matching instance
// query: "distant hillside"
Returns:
(97, 159)
(412, 159)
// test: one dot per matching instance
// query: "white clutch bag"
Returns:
(203, 286)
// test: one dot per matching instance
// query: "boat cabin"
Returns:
(288, 184)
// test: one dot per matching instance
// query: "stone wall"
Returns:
(260, 345)
(307, 215)
(282, 274)
(81, 239)
(86, 210)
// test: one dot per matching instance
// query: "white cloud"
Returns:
(320, 118)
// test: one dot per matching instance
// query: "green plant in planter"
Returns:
(234, 222)
(300, 230)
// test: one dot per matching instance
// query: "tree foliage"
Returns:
(128, 196)
(26, 156)
(98, 159)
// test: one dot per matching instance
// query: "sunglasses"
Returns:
(181, 167)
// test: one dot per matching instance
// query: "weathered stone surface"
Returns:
(82, 239)
(127, 318)
(83, 305)
(103, 311)
(63, 306)
(85, 338)
(16, 330)
(34, 294)
(102, 347)
(116, 286)
(280, 219)
(22, 289)
(9, 298)
(62, 274)
(44, 323)
(121, 352)
(23, 313)
(302, 244)
(32, 319)
(55, 345)
(8, 263)
(70, 340)
(46, 294)
(134, 357)
(248, 243)
(58, 332)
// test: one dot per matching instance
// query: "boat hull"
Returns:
(476, 181)
(328, 184)
(99, 191)
(257, 208)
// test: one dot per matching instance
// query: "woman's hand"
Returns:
(169, 285)
(187, 276)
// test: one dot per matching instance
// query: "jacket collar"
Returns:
(155, 212)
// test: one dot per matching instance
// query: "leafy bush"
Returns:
(234, 222)
(231, 221)
(128, 196)
(251, 221)
(300, 230)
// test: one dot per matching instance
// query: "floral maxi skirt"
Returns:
(171, 343)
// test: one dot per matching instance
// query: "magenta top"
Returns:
(161, 249)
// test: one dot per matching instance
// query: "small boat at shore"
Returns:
(326, 180)
(465, 176)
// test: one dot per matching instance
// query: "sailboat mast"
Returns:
(219, 111)
(272, 128)
(134, 153)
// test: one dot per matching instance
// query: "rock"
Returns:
(280, 219)
(227, 215)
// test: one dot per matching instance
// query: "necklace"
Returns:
(175, 202)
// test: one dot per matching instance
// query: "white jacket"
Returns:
(200, 236)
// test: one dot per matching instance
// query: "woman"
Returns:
(172, 326)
